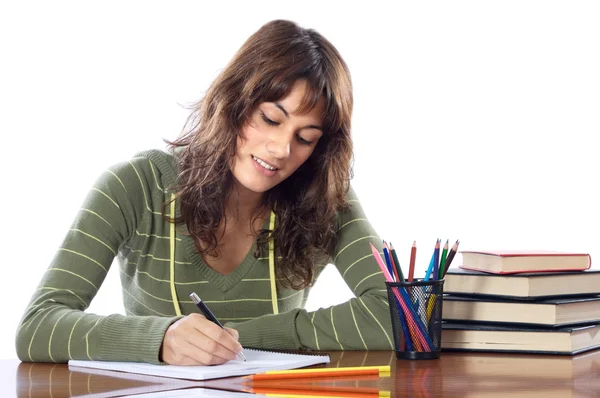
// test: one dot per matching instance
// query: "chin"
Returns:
(257, 186)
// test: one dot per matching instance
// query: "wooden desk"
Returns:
(453, 375)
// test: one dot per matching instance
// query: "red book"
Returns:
(516, 261)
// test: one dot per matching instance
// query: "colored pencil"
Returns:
(388, 261)
(436, 260)
(450, 257)
(297, 393)
(443, 260)
(430, 305)
(431, 265)
(301, 388)
(413, 258)
(415, 325)
(319, 372)
(312, 383)
(403, 320)
(379, 260)
(396, 263)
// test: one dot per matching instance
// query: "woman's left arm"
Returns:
(361, 323)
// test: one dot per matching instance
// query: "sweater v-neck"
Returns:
(222, 281)
(167, 165)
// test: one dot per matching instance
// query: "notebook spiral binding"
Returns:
(299, 352)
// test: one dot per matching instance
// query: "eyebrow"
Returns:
(287, 115)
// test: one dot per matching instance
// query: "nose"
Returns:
(279, 146)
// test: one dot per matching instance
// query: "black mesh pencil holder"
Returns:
(416, 313)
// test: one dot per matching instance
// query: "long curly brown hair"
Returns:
(264, 70)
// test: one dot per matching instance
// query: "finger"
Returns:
(178, 358)
(234, 333)
(214, 332)
(197, 355)
(214, 347)
(221, 336)
(184, 339)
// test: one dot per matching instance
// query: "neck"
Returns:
(243, 203)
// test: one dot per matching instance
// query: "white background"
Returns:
(474, 120)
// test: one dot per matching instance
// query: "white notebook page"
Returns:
(257, 362)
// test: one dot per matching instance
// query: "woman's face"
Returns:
(276, 140)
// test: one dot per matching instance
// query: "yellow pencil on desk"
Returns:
(320, 372)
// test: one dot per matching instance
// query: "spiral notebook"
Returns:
(258, 361)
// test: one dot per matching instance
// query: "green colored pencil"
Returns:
(396, 262)
(443, 260)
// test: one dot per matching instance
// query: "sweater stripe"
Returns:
(351, 265)
(36, 330)
(144, 192)
(155, 257)
(99, 216)
(333, 327)
(312, 320)
(109, 198)
(86, 257)
(376, 320)
(357, 328)
(132, 279)
(71, 334)
(154, 176)
(351, 221)
(54, 289)
(52, 334)
(144, 305)
(73, 273)
(93, 237)
(87, 345)
(353, 242)
(367, 277)
(154, 236)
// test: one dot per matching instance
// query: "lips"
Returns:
(265, 164)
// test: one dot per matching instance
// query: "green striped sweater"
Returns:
(121, 217)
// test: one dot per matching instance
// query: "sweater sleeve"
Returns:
(55, 326)
(361, 323)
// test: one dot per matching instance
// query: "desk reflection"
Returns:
(56, 380)
(453, 374)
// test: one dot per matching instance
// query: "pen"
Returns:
(210, 316)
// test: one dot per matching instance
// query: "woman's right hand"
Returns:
(194, 340)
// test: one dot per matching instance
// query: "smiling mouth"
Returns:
(264, 164)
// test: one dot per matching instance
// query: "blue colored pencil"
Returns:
(430, 267)
(405, 332)
(436, 260)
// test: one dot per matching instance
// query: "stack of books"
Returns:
(534, 302)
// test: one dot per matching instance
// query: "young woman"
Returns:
(245, 209)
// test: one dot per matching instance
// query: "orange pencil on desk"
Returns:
(307, 388)
(274, 392)
(317, 383)
(318, 372)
